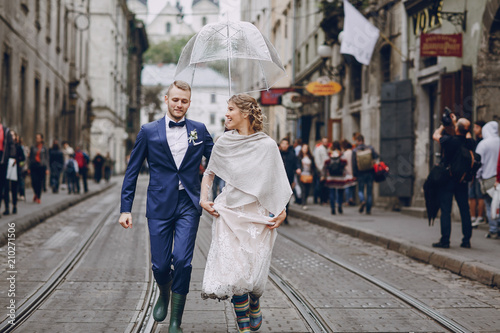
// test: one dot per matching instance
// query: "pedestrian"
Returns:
(67, 152)
(108, 167)
(350, 191)
(363, 159)
(450, 145)
(24, 169)
(306, 172)
(56, 161)
(71, 170)
(291, 163)
(243, 233)
(336, 177)
(174, 147)
(82, 159)
(488, 150)
(297, 146)
(320, 157)
(38, 166)
(476, 202)
(98, 163)
(7, 150)
(14, 183)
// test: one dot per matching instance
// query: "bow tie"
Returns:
(173, 124)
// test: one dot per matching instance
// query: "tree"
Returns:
(152, 100)
(165, 51)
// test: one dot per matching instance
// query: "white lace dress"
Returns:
(240, 253)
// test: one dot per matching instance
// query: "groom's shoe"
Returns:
(178, 302)
(161, 308)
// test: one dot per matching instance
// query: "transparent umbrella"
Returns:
(240, 55)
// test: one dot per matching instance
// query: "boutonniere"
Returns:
(193, 136)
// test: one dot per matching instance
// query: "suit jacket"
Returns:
(9, 149)
(163, 189)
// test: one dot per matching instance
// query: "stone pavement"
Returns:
(412, 236)
(30, 213)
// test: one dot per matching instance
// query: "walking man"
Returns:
(363, 158)
(174, 147)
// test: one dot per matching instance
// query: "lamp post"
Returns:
(325, 52)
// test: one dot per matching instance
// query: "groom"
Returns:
(174, 147)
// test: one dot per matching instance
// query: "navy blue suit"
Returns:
(173, 215)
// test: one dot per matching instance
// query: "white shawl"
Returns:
(252, 165)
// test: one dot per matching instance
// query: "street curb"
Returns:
(27, 222)
(477, 271)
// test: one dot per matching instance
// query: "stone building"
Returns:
(44, 85)
(118, 41)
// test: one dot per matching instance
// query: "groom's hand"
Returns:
(126, 220)
(207, 205)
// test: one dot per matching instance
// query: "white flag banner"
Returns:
(359, 36)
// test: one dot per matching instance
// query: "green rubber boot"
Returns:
(161, 307)
(178, 302)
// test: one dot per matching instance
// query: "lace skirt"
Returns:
(240, 253)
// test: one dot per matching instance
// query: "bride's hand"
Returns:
(207, 205)
(278, 220)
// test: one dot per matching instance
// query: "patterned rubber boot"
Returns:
(255, 314)
(241, 309)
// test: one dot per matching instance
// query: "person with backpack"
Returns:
(488, 150)
(71, 171)
(454, 146)
(363, 159)
(336, 177)
(83, 160)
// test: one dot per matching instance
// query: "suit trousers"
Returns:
(172, 245)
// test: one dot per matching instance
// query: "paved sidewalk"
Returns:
(413, 237)
(30, 213)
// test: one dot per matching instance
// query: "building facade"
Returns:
(44, 84)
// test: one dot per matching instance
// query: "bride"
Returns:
(247, 212)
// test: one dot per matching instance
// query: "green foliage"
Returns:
(165, 52)
(152, 99)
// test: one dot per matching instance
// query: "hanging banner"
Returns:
(441, 45)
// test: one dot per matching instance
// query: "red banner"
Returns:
(272, 96)
(440, 45)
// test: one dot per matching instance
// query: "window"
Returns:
(37, 15)
(212, 119)
(203, 21)
(47, 112)
(297, 64)
(58, 32)
(385, 63)
(307, 54)
(5, 87)
(37, 104)
(22, 92)
(212, 98)
(356, 71)
(168, 27)
(47, 23)
(316, 44)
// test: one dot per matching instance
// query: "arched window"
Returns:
(203, 21)
(385, 63)
(168, 27)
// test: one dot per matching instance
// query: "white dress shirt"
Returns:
(178, 142)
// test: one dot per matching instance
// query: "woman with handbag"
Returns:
(307, 169)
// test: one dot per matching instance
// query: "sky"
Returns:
(227, 7)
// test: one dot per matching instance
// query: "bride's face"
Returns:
(234, 118)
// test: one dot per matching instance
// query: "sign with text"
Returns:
(323, 88)
(273, 96)
(441, 45)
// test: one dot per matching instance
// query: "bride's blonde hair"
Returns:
(248, 105)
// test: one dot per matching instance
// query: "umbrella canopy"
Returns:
(238, 51)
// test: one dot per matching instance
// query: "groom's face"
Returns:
(178, 102)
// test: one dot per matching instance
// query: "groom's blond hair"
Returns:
(181, 85)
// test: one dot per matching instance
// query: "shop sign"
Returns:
(273, 96)
(441, 45)
(323, 88)
(426, 18)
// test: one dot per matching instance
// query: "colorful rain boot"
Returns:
(241, 309)
(178, 302)
(161, 307)
(255, 314)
